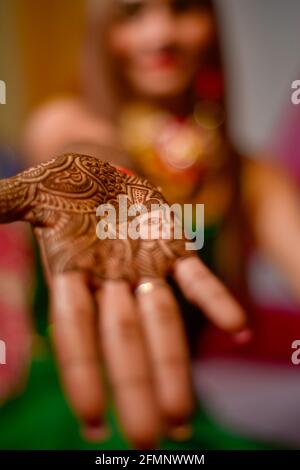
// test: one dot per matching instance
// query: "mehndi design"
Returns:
(60, 198)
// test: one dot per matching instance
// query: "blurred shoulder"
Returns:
(59, 124)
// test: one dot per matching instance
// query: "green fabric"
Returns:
(40, 419)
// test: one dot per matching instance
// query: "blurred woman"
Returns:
(153, 88)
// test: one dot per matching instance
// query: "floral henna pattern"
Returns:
(60, 198)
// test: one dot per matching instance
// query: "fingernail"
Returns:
(243, 337)
(180, 433)
(95, 432)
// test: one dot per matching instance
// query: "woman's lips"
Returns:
(164, 61)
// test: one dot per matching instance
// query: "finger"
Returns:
(168, 349)
(73, 316)
(203, 289)
(125, 354)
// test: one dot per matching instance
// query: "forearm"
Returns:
(272, 203)
(15, 196)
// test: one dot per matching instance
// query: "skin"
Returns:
(159, 46)
(271, 201)
(98, 317)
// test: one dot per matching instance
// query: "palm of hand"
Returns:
(61, 199)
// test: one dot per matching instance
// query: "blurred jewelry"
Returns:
(187, 157)
(148, 286)
(180, 433)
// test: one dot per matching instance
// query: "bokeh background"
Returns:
(40, 47)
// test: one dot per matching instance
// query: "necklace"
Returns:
(186, 157)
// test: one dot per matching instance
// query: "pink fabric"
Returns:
(15, 328)
(274, 330)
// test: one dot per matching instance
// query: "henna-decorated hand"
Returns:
(97, 316)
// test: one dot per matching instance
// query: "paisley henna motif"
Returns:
(60, 198)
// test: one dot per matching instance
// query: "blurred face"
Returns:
(158, 44)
